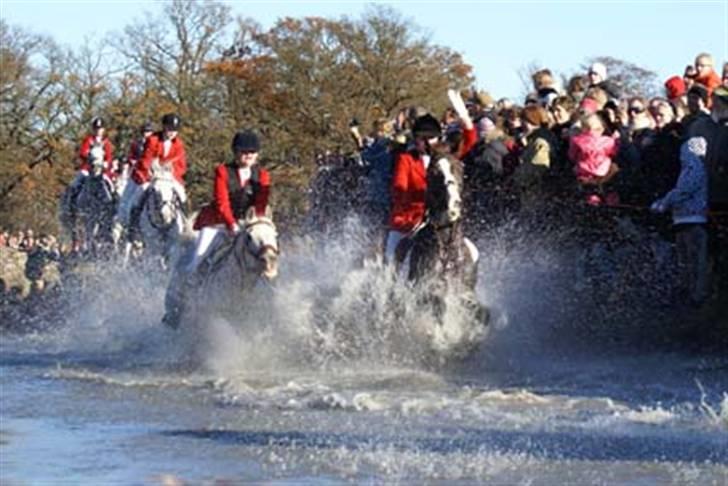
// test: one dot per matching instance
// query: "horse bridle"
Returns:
(158, 207)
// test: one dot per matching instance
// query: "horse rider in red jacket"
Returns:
(164, 148)
(239, 185)
(136, 149)
(97, 139)
(93, 142)
(409, 181)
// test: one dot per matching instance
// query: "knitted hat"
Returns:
(696, 146)
(675, 87)
(486, 125)
(599, 69)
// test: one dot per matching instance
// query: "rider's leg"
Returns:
(71, 209)
(76, 187)
(471, 270)
(179, 189)
(390, 246)
(121, 220)
(208, 239)
(397, 250)
(135, 212)
(175, 299)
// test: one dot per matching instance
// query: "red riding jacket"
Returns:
(233, 197)
(154, 149)
(409, 185)
(86, 146)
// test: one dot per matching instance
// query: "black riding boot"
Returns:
(134, 231)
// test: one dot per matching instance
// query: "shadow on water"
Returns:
(542, 444)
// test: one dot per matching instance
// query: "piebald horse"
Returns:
(440, 254)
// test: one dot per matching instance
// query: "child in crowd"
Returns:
(592, 152)
(688, 201)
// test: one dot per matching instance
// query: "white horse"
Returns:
(225, 274)
(94, 206)
(162, 219)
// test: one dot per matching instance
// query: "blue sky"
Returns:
(496, 37)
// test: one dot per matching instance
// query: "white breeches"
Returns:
(208, 239)
(393, 239)
(129, 199)
(180, 190)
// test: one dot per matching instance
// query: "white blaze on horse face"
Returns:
(263, 243)
(163, 204)
(96, 159)
(454, 203)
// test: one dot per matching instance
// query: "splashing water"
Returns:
(339, 371)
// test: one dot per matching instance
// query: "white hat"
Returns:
(599, 69)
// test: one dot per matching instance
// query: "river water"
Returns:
(318, 381)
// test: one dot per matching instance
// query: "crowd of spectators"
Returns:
(589, 143)
(26, 241)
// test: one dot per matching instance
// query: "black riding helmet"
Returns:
(171, 121)
(427, 126)
(146, 127)
(245, 141)
(97, 123)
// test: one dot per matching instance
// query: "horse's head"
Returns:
(444, 189)
(261, 242)
(163, 199)
(96, 160)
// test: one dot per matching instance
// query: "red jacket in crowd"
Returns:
(233, 197)
(710, 81)
(154, 149)
(86, 146)
(409, 185)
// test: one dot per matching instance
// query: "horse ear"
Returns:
(250, 214)
(268, 212)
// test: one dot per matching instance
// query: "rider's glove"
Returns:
(234, 230)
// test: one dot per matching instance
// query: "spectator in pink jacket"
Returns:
(592, 151)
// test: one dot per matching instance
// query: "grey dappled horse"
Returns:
(162, 219)
(232, 268)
